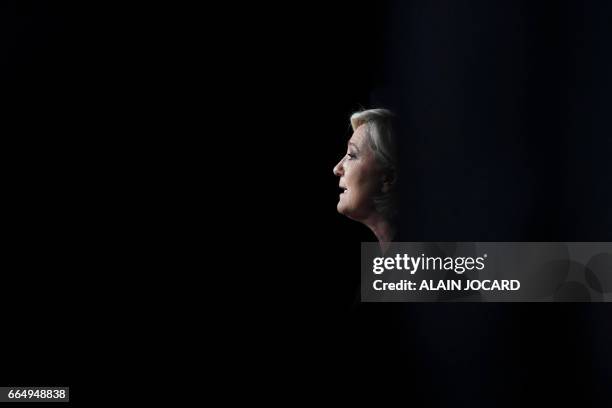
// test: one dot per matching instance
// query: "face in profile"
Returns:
(361, 178)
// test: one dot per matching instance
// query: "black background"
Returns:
(507, 138)
(90, 99)
(46, 139)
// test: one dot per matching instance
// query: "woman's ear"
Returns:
(389, 180)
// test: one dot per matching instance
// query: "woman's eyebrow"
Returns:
(354, 145)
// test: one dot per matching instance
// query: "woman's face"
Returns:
(360, 177)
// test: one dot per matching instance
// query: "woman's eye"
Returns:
(350, 155)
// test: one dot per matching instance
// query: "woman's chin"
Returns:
(346, 212)
(343, 209)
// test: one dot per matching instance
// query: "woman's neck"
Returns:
(382, 229)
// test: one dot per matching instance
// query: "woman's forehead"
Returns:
(359, 135)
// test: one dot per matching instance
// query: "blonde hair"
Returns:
(382, 139)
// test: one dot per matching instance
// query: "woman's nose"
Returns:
(338, 170)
